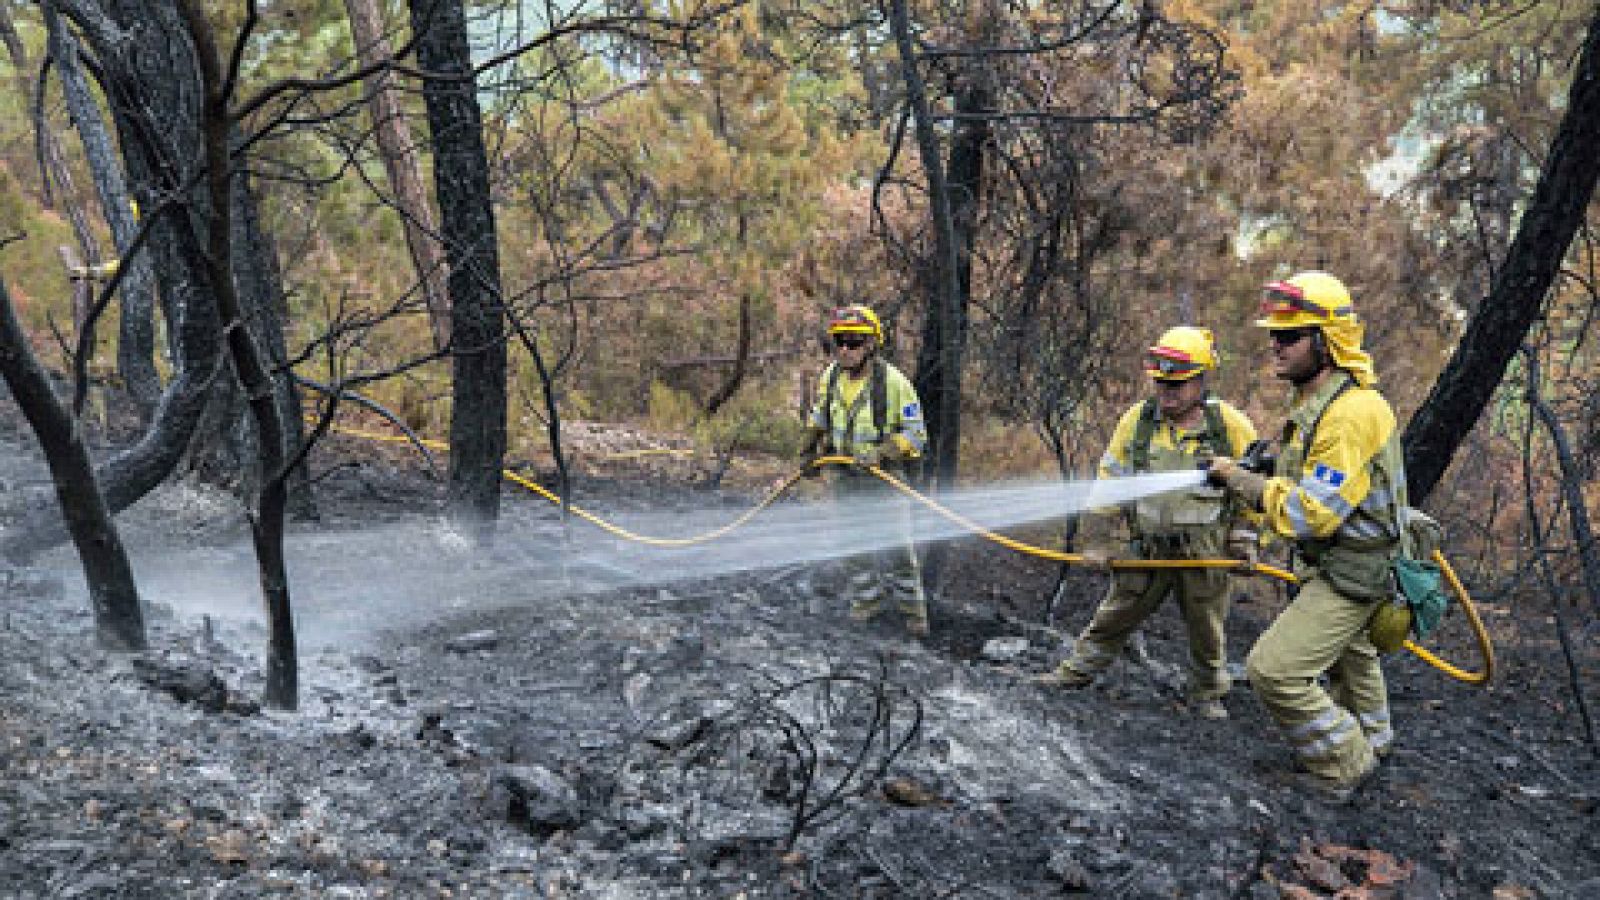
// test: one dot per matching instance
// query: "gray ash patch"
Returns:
(494, 731)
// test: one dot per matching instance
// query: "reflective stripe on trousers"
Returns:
(1323, 632)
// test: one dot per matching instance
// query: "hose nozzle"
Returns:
(1260, 456)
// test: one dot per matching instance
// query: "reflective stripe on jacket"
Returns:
(1340, 493)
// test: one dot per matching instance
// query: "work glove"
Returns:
(1097, 541)
(868, 456)
(898, 448)
(1096, 558)
(810, 453)
(1249, 487)
(1245, 546)
(808, 464)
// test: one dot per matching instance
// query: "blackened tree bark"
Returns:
(1500, 325)
(477, 313)
(249, 363)
(52, 161)
(741, 360)
(136, 332)
(260, 284)
(1571, 479)
(938, 376)
(969, 143)
(145, 65)
(119, 622)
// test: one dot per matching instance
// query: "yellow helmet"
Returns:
(856, 319)
(1319, 300)
(1309, 299)
(1181, 354)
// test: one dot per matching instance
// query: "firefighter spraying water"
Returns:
(1181, 425)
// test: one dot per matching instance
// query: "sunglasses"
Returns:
(1168, 384)
(849, 341)
(1283, 298)
(1288, 337)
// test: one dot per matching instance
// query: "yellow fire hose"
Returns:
(617, 530)
(1485, 647)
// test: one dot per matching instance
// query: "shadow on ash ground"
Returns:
(522, 736)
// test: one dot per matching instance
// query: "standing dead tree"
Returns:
(249, 360)
(1572, 495)
(477, 313)
(1500, 324)
(112, 591)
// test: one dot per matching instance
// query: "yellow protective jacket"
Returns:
(1338, 494)
(845, 413)
(1201, 512)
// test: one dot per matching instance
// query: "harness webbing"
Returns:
(1216, 433)
(877, 394)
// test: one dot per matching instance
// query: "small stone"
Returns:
(535, 798)
(473, 640)
(634, 688)
(675, 736)
(1066, 868)
(231, 847)
(905, 792)
(1004, 649)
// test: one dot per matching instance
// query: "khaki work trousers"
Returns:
(870, 512)
(1203, 599)
(1335, 732)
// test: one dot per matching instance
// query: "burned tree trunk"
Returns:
(741, 360)
(250, 364)
(52, 162)
(260, 286)
(1500, 325)
(136, 332)
(477, 313)
(938, 376)
(115, 597)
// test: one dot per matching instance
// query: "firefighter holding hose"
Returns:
(1180, 426)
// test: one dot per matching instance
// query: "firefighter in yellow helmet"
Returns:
(1176, 429)
(1336, 492)
(867, 409)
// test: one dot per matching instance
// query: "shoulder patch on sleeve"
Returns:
(911, 411)
(1327, 475)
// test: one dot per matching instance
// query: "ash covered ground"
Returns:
(540, 720)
